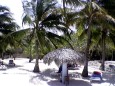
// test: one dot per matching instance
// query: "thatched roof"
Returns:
(64, 55)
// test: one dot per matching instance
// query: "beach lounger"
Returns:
(55, 73)
(112, 68)
(11, 63)
(96, 76)
(2, 66)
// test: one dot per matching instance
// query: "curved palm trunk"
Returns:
(2, 55)
(30, 58)
(103, 51)
(85, 70)
(30, 51)
(36, 67)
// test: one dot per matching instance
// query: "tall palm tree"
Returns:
(108, 5)
(96, 12)
(43, 19)
(7, 25)
(93, 13)
(89, 16)
(105, 34)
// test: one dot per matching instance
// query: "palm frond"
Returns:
(39, 9)
(49, 7)
(58, 38)
(5, 31)
(18, 35)
(6, 17)
(26, 20)
(4, 8)
(73, 2)
(9, 26)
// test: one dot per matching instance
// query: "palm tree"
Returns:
(7, 25)
(43, 19)
(108, 5)
(94, 11)
(105, 35)
(91, 13)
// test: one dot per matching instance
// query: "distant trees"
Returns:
(94, 23)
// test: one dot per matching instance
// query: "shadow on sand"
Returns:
(16, 66)
(26, 69)
(44, 76)
(72, 82)
(109, 78)
(9, 67)
(55, 80)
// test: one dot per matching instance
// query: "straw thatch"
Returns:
(64, 55)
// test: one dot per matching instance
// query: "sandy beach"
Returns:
(22, 75)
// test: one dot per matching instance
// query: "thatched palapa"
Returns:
(64, 55)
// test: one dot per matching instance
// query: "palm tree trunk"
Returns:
(112, 55)
(103, 51)
(2, 55)
(30, 51)
(36, 67)
(85, 70)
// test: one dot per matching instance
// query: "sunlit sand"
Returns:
(22, 75)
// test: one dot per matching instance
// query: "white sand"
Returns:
(22, 75)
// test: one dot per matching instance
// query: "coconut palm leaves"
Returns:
(91, 18)
(72, 2)
(7, 26)
(42, 18)
(6, 20)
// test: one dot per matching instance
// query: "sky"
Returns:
(15, 7)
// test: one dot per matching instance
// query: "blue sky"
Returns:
(16, 8)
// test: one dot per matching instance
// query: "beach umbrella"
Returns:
(64, 56)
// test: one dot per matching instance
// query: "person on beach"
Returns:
(60, 68)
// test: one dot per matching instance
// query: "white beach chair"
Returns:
(3, 67)
(11, 63)
(55, 73)
(112, 68)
